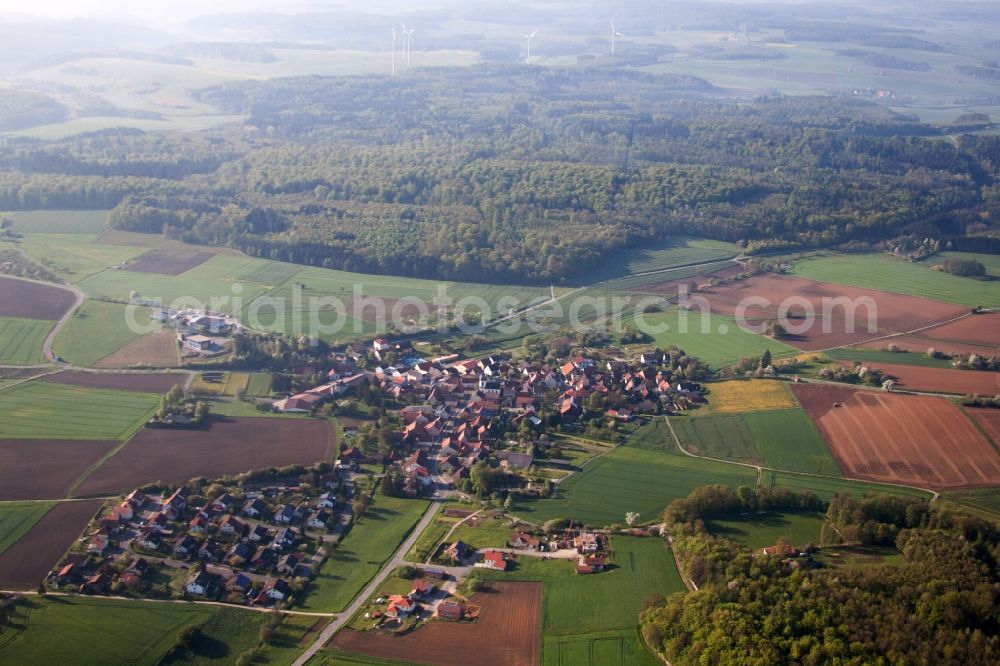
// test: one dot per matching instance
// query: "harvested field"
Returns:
(29, 300)
(169, 261)
(915, 440)
(32, 469)
(26, 563)
(736, 396)
(158, 350)
(988, 420)
(147, 383)
(507, 633)
(892, 313)
(942, 379)
(227, 446)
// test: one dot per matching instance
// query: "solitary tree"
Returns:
(631, 518)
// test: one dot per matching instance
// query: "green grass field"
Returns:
(94, 632)
(59, 221)
(176, 290)
(788, 439)
(98, 329)
(764, 529)
(631, 479)
(260, 384)
(876, 356)
(574, 604)
(372, 541)
(605, 648)
(226, 635)
(40, 410)
(725, 436)
(985, 501)
(482, 537)
(21, 340)
(341, 658)
(720, 342)
(16, 518)
(654, 436)
(680, 251)
(825, 488)
(885, 273)
(73, 257)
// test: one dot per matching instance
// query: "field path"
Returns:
(398, 559)
(452, 531)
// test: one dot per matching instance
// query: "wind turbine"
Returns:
(394, 50)
(528, 37)
(409, 34)
(614, 33)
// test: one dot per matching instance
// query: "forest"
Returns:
(937, 605)
(507, 173)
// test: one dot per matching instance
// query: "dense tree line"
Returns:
(507, 173)
(937, 606)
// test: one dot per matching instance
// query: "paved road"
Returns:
(398, 559)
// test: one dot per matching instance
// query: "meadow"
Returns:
(21, 340)
(737, 396)
(680, 251)
(223, 637)
(58, 221)
(825, 488)
(631, 479)
(885, 273)
(259, 384)
(94, 631)
(97, 330)
(16, 518)
(570, 602)
(604, 648)
(73, 257)
(788, 439)
(989, 261)
(727, 437)
(762, 529)
(876, 356)
(41, 410)
(719, 343)
(372, 540)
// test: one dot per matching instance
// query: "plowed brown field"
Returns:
(892, 313)
(169, 262)
(915, 440)
(942, 380)
(228, 446)
(29, 300)
(988, 420)
(32, 469)
(507, 633)
(27, 562)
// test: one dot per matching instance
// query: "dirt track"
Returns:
(915, 440)
(507, 633)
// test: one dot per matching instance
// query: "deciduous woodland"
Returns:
(508, 173)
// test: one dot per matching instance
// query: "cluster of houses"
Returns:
(243, 547)
(590, 547)
(343, 376)
(453, 405)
